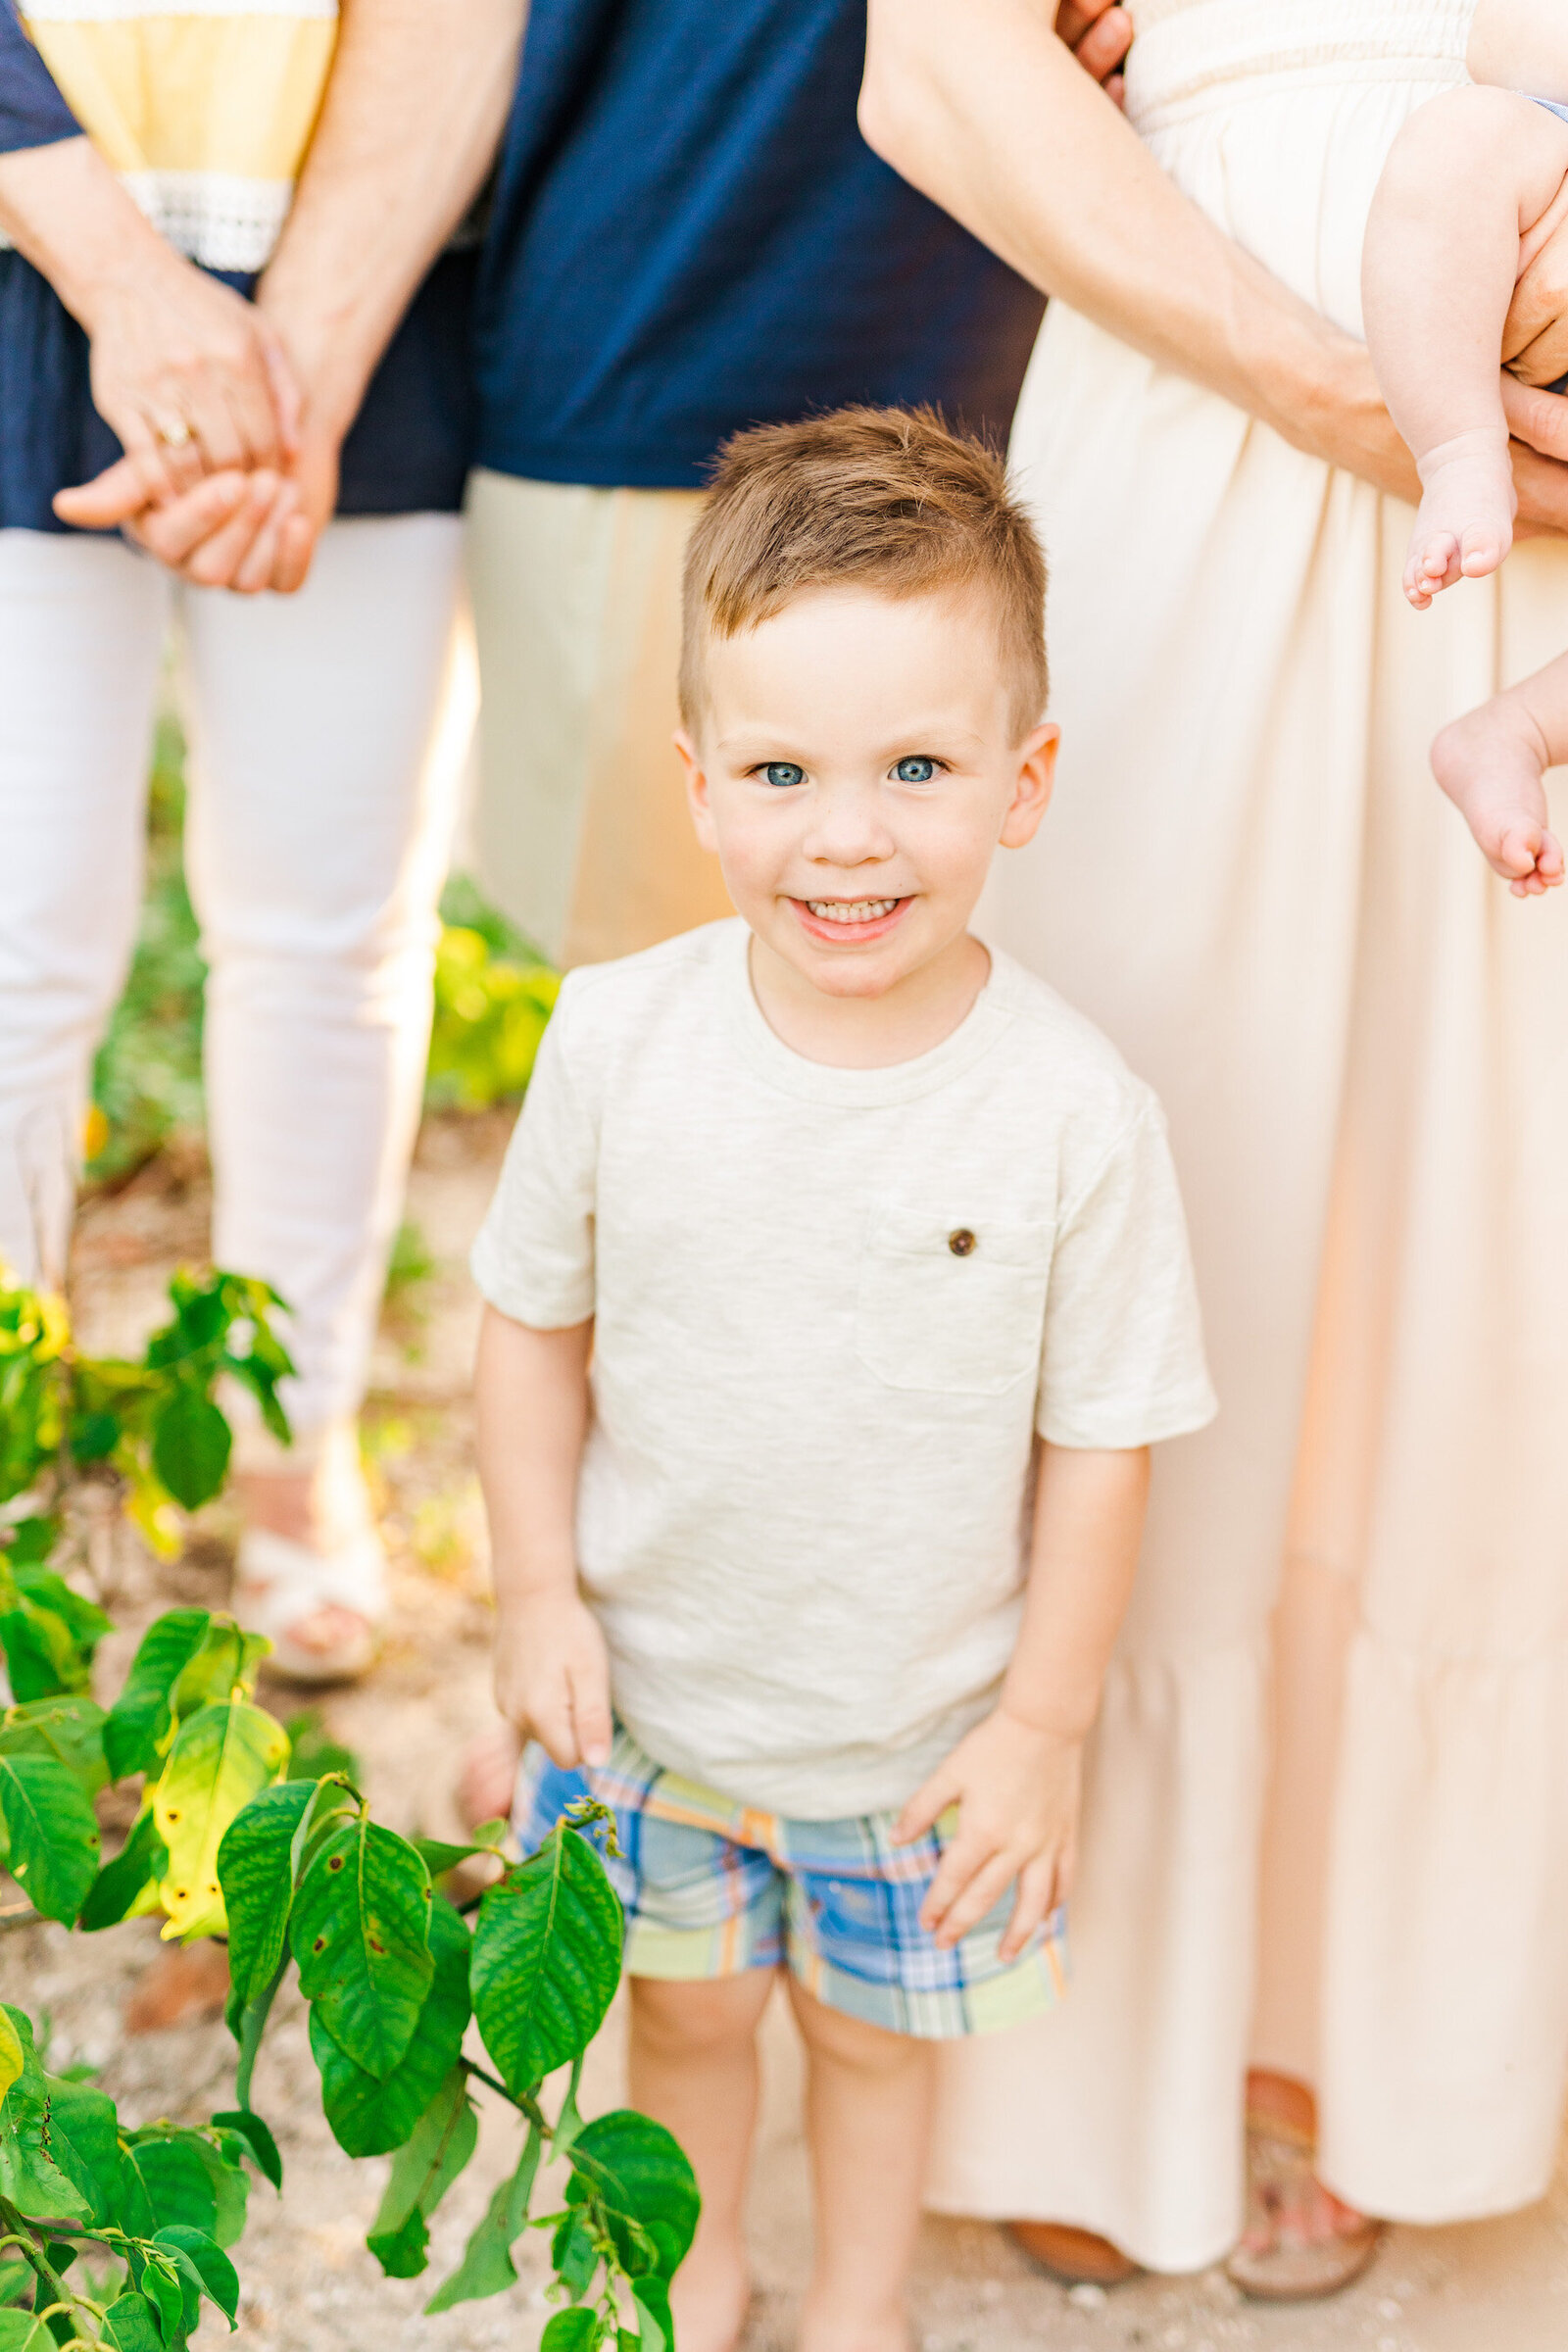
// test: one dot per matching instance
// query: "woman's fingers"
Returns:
(112, 497)
(170, 532)
(1097, 32)
(1535, 335)
(214, 561)
(1537, 418)
(296, 544)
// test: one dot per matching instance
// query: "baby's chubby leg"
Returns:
(1467, 180)
(1491, 763)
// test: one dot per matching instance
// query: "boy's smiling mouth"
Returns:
(844, 919)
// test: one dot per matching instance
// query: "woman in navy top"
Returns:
(322, 782)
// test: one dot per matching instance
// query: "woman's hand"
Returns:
(1100, 34)
(192, 379)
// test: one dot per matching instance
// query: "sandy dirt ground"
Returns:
(310, 2286)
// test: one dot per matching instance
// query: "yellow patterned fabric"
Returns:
(204, 106)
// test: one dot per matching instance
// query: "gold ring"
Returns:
(175, 435)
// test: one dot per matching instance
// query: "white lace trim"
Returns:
(219, 218)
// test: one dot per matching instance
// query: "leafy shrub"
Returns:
(297, 1873)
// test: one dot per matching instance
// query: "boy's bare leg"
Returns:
(694, 2069)
(1467, 180)
(1493, 763)
(868, 2119)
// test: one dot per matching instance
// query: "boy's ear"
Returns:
(696, 800)
(1031, 794)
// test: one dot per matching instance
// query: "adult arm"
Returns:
(413, 113)
(172, 353)
(1003, 131)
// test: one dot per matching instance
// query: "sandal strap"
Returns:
(278, 1581)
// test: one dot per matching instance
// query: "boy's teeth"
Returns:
(851, 910)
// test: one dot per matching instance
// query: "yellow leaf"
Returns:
(223, 1755)
(13, 2058)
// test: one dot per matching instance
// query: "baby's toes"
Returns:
(1434, 564)
(1515, 853)
(1482, 550)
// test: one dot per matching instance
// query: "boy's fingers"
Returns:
(982, 1894)
(957, 1866)
(1037, 1886)
(590, 1713)
(926, 1808)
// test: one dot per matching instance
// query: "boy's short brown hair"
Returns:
(888, 499)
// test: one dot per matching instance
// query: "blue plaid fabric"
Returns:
(712, 1888)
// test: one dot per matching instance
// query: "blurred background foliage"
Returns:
(493, 996)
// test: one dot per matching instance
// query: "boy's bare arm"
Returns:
(531, 1410)
(1016, 1777)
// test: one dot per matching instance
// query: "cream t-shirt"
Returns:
(832, 1308)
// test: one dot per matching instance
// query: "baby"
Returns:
(1475, 183)
(837, 1287)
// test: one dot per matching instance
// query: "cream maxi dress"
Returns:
(1251, 880)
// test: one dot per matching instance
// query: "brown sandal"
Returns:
(1280, 2158)
(1072, 2257)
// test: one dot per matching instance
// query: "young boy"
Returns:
(1474, 184)
(838, 1288)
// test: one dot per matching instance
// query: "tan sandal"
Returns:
(1279, 2160)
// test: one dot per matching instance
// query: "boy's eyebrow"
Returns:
(923, 735)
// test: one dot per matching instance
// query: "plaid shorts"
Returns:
(712, 1888)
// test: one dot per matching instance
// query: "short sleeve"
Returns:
(1123, 1359)
(535, 1257)
(32, 112)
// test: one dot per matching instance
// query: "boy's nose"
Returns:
(846, 829)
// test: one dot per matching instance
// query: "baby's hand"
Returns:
(1492, 765)
(553, 1676)
(1017, 1791)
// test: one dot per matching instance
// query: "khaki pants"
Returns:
(582, 832)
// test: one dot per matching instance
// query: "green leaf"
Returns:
(29, 2177)
(487, 2267)
(257, 2137)
(130, 2326)
(20, 2331)
(256, 1872)
(191, 1442)
(37, 1649)
(222, 1757)
(546, 1959)
(369, 2117)
(439, 1857)
(139, 1719)
(441, 2144)
(142, 1858)
(165, 2183)
(201, 2258)
(69, 1728)
(576, 2330)
(638, 2173)
(360, 1933)
(84, 2142)
(52, 1831)
(656, 2328)
(574, 2253)
(229, 1659)
(16, 2281)
(85, 1620)
(162, 2283)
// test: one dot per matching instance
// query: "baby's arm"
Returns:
(1491, 763)
(532, 1403)
(1467, 180)
(1016, 1777)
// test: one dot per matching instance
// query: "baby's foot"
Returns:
(1465, 526)
(1491, 763)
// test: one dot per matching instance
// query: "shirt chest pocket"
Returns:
(952, 1307)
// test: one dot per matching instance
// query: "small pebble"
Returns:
(1086, 2297)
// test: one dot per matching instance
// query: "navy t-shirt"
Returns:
(689, 235)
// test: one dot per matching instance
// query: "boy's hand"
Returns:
(553, 1678)
(1017, 1788)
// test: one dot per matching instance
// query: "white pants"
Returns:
(325, 752)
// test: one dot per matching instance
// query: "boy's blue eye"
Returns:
(783, 772)
(915, 771)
